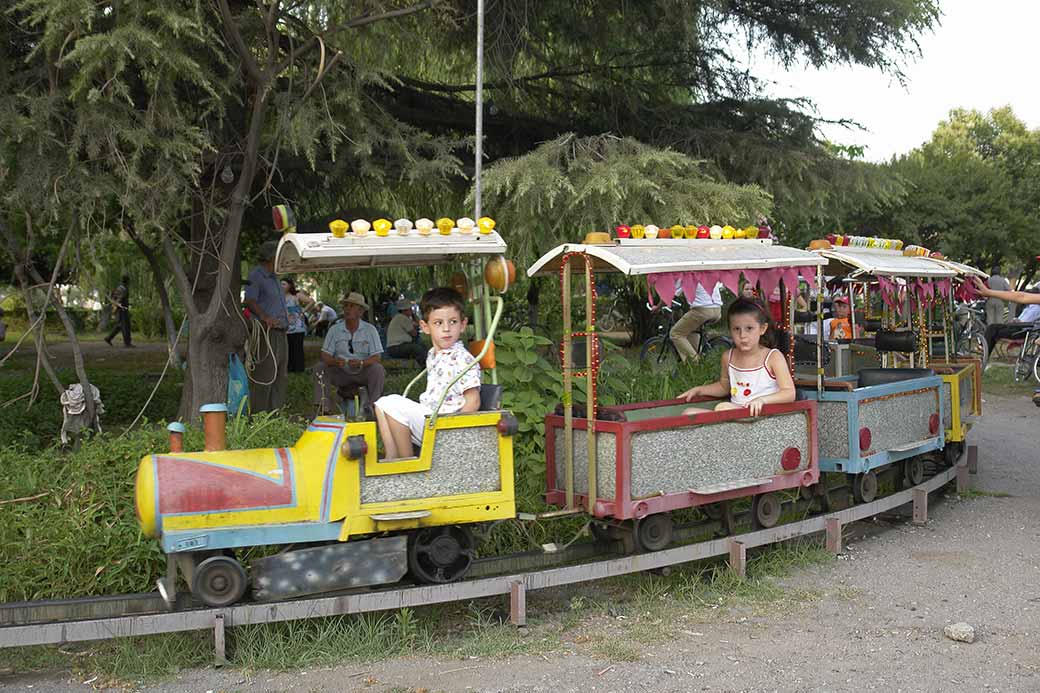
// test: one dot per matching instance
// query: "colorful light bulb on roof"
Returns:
(486, 225)
(382, 227)
(715, 232)
(691, 231)
(424, 226)
(703, 232)
(445, 225)
(465, 225)
(638, 231)
(403, 226)
(678, 231)
(650, 231)
(360, 227)
(623, 231)
(338, 227)
(728, 231)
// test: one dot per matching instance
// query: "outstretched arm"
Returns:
(1013, 296)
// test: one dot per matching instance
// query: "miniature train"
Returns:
(349, 520)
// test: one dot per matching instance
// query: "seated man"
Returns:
(1010, 330)
(400, 335)
(350, 355)
(324, 318)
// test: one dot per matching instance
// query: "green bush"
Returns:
(80, 537)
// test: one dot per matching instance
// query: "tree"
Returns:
(169, 119)
(182, 121)
(972, 190)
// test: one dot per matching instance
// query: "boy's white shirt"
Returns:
(441, 368)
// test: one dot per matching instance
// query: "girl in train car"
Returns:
(753, 372)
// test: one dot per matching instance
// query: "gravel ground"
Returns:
(875, 621)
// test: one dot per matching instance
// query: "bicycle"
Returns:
(660, 353)
(613, 315)
(1028, 361)
(969, 329)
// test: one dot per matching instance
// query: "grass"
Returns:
(999, 379)
(980, 493)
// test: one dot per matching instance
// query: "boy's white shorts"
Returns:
(406, 411)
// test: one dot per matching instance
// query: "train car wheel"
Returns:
(440, 554)
(765, 510)
(952, 452)
(219, 581)
(864, 487)
(654, 532)
(913, 471)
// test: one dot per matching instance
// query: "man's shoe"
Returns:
(108, 341)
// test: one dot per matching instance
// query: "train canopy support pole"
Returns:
(834, 535)
(738, 557)
(518, 604)
(920, 506)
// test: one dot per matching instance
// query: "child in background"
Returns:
(753, 373)
(401, 420)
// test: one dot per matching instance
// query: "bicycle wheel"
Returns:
(973, 344)
(1036, 367)
(718, 343)
(607, 320)
(659, 353)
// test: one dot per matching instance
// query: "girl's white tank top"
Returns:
(746, 384)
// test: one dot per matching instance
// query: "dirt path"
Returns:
(872, 620)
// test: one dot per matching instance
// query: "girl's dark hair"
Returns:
(747, 306)
(441, 297)
(291, 283)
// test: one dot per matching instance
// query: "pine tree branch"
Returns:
(249, 65)
(358, 21)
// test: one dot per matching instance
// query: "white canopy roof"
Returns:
(961, 269)
(319, 252)
(877, 262)
(638, 257)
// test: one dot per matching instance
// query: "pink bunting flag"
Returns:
(809, 275)
(664, 284)
(768, 279)
(689, 286)
(731, 280)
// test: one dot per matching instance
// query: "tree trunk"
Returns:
(164, 296)
(209, 344)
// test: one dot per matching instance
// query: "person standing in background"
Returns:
(265, 300)
(120, 298)
(995, 307)
(297, 327)
(532, 304)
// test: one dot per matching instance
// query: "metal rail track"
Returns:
(131, 615)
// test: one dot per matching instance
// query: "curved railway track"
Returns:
(99, 618)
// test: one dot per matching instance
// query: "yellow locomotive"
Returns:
(347, 519)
